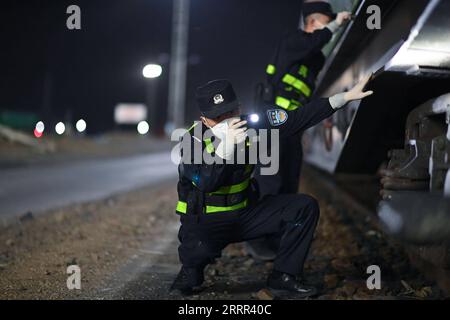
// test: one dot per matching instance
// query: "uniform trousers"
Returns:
(293, 218)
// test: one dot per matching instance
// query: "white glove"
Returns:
(342, 17)
(339, 21)
(356, 93)
(230, 135)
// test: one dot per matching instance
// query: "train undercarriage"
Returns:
(402, 132)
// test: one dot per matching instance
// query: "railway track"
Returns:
(358, 198)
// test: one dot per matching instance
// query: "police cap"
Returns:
(216, 98)
(318, 7)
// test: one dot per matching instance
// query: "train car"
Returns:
(401, 132)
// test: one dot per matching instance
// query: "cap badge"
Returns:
(218, 99)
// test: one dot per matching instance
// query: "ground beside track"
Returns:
(103, 238)
(126, 249)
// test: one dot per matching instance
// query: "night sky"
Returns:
(63, 74)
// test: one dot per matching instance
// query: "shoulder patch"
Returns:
(277, 117)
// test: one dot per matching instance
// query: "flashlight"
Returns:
(252, 119)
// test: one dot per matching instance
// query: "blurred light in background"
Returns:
(60, 128)
(40, 127)
(130, 113)
(37, 134)
(143, 127)
(152, 71)
(80, 125)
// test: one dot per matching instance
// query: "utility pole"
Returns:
(178, 63)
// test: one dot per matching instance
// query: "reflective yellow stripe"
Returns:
(209, 146)
(282, 102)
(289, 79)
(208, 142)
(212, 209)
(286, 103)
(303, 71)
(182, 207)
(192, 127)
(270, 69)
(297, 84)
(235, 188)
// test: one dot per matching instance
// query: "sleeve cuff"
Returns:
(333, 26)
(337, 101)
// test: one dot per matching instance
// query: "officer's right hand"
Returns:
(236, 130)
(342, 17)
(236, 133)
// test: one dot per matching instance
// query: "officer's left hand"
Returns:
(357, 93)
(343, 17)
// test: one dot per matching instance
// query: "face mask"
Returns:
(220, 130)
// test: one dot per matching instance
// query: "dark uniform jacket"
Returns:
(217, 188)
(296, 64)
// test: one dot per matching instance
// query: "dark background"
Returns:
(69, 74)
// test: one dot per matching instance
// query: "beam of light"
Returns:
(143, 127)
(81, 125)
(152, 71)
(60, 128)
(40, 127)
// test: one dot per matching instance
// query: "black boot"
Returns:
(188, 281)
(283, 283)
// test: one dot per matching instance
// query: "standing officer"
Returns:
(217, 204)
(291, 78)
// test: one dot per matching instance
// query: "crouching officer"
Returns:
(217, 203)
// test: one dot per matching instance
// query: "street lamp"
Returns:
(60, 128)
(152, 71)
(81, 126)
(143, 127)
